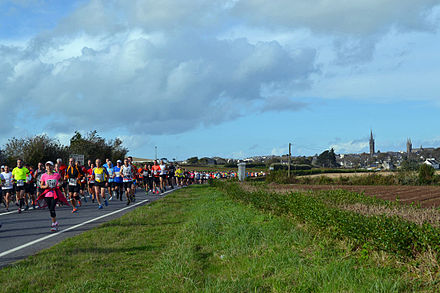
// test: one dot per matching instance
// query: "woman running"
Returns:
(50, 182)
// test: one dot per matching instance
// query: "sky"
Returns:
(228, 78)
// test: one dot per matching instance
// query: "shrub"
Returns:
(426, 174)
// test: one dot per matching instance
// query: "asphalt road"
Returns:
(25, 234)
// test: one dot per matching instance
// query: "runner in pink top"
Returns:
(50, 183)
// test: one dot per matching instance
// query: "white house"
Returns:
(432, 162)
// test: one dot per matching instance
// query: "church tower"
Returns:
(371, 143)
(408, 147)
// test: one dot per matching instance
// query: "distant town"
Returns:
(374, 160)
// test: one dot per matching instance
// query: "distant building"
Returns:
(371, 143)
(432, 162)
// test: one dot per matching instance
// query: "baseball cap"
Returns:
(49, 163)
(118, 161)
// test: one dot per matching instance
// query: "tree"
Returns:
(33, 150)
(426, 174)
(327, 159)
(193, 160)
(93, 146)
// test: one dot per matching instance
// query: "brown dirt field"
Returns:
(427, 196)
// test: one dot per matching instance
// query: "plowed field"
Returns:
(427, 196)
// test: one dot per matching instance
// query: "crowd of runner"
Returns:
(52, 184)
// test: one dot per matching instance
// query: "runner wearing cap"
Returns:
(111, 175)
(50, 183)
(117, 180)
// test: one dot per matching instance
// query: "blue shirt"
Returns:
(117, 171)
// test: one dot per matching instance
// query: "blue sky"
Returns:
(229, 78)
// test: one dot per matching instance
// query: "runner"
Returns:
(118, 182)
(7, 186)
(133, 182)
(91, 182)
(127, 173)
(156, 174)
(111, 175)
(145, 178)
(50, 183)
(73, 178)
(37, 178)
(179, 176)
(100, 176)
(19, 175)
(83, 180)
(171, 175)
(163, 176)
(62, 171)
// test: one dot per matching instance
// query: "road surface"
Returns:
(25, 234)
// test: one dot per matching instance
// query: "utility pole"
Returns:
(290, 153)
(155, 148)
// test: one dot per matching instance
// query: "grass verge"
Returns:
(199, 240)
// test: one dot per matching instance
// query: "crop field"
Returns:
(426, 196)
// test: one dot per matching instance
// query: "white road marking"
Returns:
(71, 228)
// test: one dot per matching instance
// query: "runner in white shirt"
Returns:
(6, 178)
(163, 176)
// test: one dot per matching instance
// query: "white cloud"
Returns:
(156, 67)
(353, 146)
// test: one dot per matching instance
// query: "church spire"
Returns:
(371, 143)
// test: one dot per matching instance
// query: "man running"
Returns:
(37, 178)
(163, 176)
(117, 180)
(73, 177)
(127, 172)
(111, 175)
(19, 175)
(7, 186)
(100, 176)
(156, 177)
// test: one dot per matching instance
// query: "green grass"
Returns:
(199, 240)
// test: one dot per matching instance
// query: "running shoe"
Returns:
(74, 210)
(100, 207)
(111, 198)
(19, 210)
(79, 203)
(26, 208)
(105, 202)
(54, 227)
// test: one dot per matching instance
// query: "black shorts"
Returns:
(91, 184)
(156, 179)
(4, 191)
(18, 188)
(73, 188)
(111, 185)
(118, 184)
(128, 184)
(100, 184)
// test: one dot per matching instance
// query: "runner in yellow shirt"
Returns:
(19, 175)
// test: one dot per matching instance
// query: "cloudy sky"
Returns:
(230, 78)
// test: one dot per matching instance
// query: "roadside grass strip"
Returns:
(200, 240)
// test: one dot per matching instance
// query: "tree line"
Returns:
(42, 148)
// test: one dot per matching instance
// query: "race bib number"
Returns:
(52, 183)
(20, 182)
(118, 174)
(99, 177)
(8, 183)
(72, 182)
